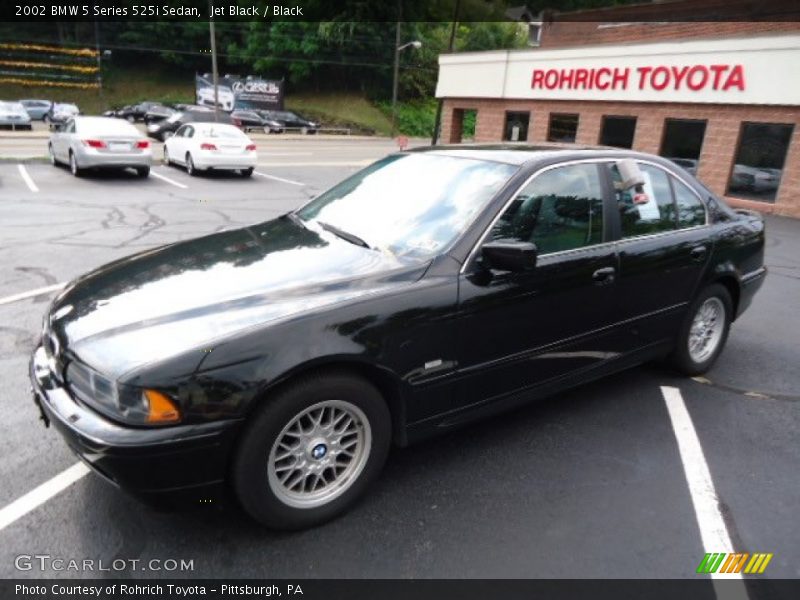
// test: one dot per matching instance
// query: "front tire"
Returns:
(312, 450)
(52, 154)
(704, 331)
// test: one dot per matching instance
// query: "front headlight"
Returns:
(131, 404)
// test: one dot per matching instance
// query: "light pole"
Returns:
(397, 49)
(214, 62)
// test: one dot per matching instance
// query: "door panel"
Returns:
(662, 258)
(520, 329)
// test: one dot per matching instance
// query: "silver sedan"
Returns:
(100, 143)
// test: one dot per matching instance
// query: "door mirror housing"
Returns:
(510, 255)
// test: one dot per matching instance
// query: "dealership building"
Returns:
(722, 99)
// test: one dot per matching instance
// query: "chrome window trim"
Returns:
(605, 160)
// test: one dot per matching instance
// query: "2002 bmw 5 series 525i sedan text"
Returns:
(280, 361)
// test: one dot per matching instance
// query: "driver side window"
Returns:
(560, 209)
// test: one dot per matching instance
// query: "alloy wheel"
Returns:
(705, 333)
(319, 454)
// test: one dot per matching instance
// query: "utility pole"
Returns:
(99, 63)
(396, 68)
(438, 121)
(214, 73)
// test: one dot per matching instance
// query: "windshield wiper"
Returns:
(295, 219)
(345, 235)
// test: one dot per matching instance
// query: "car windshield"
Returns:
(174, 117)
(412, 205)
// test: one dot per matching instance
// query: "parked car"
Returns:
(205, 146)
(61, 112)
(433, 288)
(14, 116)
(136, 112)
(157, 113)
(86, 143)
(690, 164)
(36, 108)
(250, 119)
(161, 130)
(224, 97)
(290, 120)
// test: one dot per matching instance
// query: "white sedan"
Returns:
(205, 146)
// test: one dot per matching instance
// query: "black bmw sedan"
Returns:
(281, 360)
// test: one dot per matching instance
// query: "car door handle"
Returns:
(604, 275)
(698, 253)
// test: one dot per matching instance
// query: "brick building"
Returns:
(722, 99)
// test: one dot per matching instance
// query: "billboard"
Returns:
(240, 93)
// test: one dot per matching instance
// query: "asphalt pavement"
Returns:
(589, 483)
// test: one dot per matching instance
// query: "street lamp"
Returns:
(397, 49)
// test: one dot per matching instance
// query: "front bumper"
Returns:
(185, 464)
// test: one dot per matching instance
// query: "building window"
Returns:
(758, 165)
(563, 128)
(682, 142)
(618, 131)
(516, 129)
(462, 125)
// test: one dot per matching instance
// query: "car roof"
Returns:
(521, 153)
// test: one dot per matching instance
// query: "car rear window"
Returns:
(106, 127)
(217, 131)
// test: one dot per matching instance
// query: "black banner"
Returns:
(407, 589)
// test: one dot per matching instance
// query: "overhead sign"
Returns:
(757, 70)
(237, 93)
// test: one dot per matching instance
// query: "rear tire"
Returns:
(191, 170)
(143, 171)
(73, 165)
(311, 450)
(704, 331)
(246, 172)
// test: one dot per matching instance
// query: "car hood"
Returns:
(167, 301)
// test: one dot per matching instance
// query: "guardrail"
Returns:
(303, 130)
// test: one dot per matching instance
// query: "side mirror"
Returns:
(510, 255)
(630, 174)
(167, 135)
(57, 126)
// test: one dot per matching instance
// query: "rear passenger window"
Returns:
(644, 218)
(561, 209)
(691, 211)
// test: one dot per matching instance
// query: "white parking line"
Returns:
(278, 178)
(31, 293)
(28, 181)
(168, 180)
(38, 496)
(320, 163)
(713, 532)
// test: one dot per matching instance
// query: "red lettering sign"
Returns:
(658, 78)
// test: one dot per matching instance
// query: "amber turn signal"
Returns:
(160, 408)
